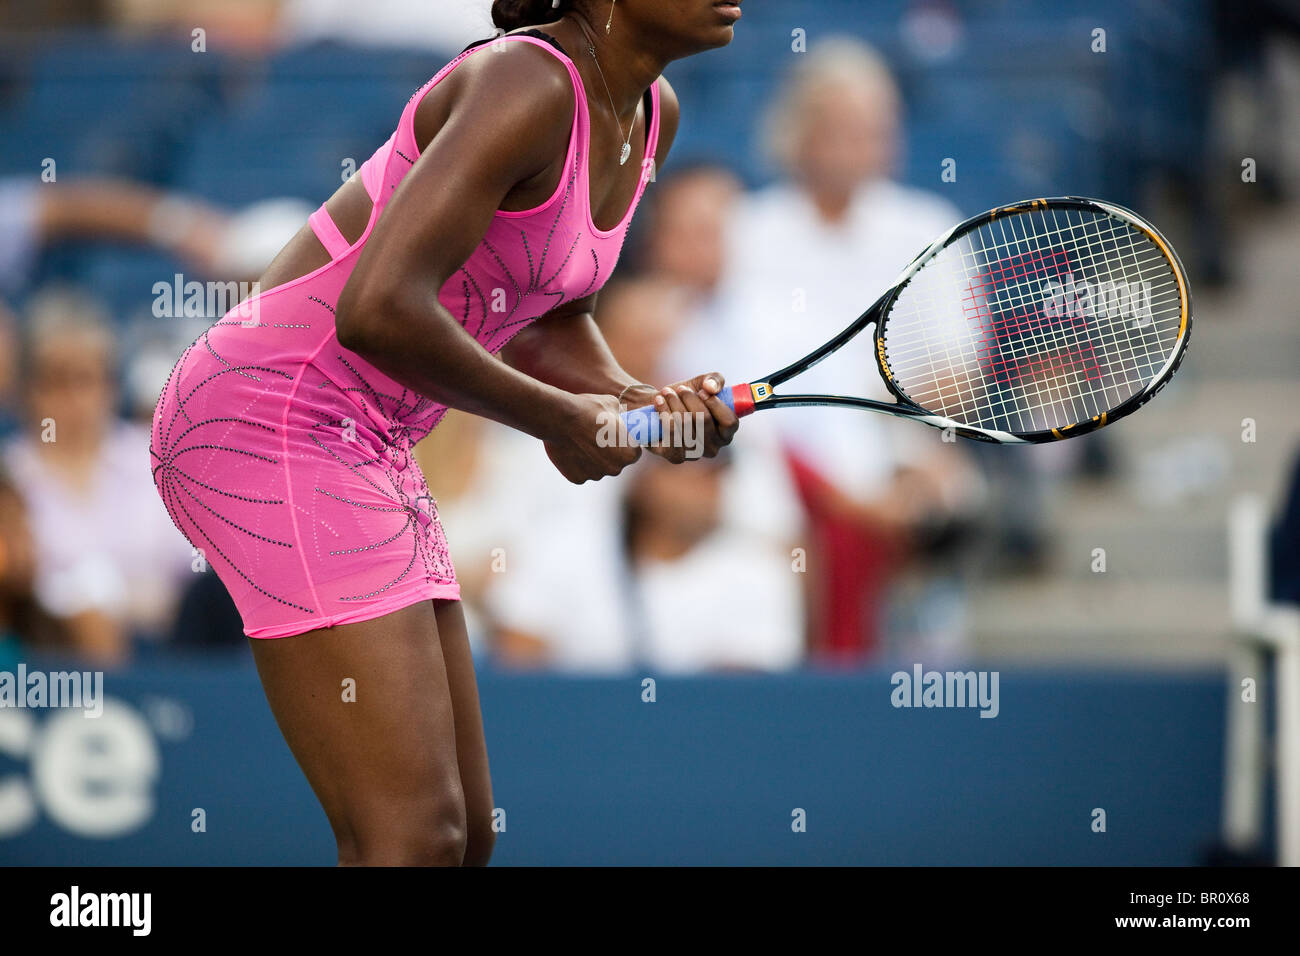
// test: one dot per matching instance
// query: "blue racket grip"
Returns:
(644, 426)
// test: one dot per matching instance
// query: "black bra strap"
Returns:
(538, 34)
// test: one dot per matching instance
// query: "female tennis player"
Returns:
(282, 441)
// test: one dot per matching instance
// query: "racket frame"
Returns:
(762, 394)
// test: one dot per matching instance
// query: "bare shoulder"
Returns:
(669, 120)
(517, 85)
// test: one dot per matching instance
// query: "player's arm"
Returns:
(507, 117)
(566, 348)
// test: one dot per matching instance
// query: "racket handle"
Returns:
(643, 425)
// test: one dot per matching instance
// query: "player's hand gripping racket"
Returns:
(1033, 322)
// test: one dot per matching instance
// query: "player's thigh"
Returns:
(367, 710)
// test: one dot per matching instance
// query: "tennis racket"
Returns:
(1033, 322)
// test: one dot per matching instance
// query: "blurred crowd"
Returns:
(263, 24)
(821, 537)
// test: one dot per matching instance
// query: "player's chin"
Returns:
(718, 26)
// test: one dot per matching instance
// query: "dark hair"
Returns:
(513, 14)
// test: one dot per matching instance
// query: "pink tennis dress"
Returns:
(286, 459)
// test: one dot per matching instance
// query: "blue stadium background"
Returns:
(586, 771)
(1019, 98)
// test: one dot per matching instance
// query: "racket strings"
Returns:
(1014, 302)
(1010, 358)
(1010, 322)
(1034, 321)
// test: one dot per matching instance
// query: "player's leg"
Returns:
(383, 760)
(471, 749)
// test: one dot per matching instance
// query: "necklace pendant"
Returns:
(625, 155)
